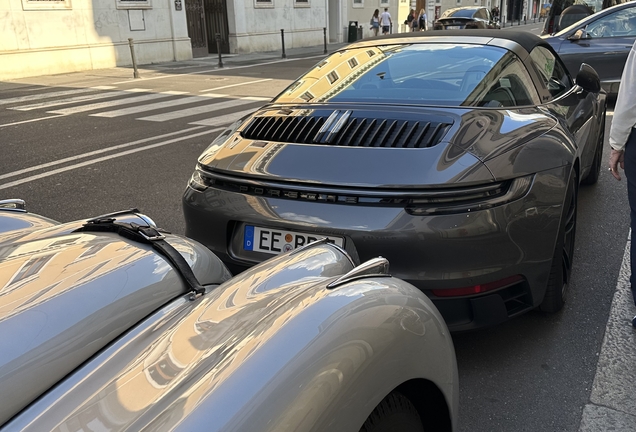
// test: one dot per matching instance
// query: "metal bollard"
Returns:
(218, 48)
(282, 38)
(134, 59)
(324, 38)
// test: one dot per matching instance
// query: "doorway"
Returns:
(195, 17)
(216, 23)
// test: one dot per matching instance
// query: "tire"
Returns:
(394, 414)
(556, 291)
(595, 170)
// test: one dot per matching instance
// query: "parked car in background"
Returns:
(112, 324)
(457, 155)
(466, 18)
(554, 22)
(602, 40)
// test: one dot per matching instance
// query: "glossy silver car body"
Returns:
(481, 261)
(97, 332)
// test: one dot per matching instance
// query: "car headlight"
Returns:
(471, 199)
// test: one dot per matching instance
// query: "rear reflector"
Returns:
(478, 289)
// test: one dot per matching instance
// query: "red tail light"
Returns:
(478, 289)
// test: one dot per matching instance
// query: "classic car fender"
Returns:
(273, 349)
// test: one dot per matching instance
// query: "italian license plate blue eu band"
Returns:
(274, 241)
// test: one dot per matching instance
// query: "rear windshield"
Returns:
(459, 13)
(440, 74)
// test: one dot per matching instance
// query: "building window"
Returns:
(46, 4)
(358, 3)
(332, 77)
(459, 2)
(301, 3)
(263, 3)
(370, 53)
(134, 4)
(307, 96)
(30, 269)
(384, 3)
(353, 63)
(438, 1)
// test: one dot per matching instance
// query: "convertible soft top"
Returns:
(525, 39)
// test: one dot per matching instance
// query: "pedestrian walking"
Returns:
(411, 20)
(385, 21)
(375, 22)
(623, 153)
(421, 20)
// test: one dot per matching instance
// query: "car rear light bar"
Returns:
(478, 289)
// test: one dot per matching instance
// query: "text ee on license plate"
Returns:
(274, 241)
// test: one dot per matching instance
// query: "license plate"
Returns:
(453, 27)
(275, 241)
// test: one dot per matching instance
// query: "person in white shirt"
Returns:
(623, 142)
(385, 21)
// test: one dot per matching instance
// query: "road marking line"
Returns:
(152, 107)
(104, 87)
(535, 29)
(69, 100)
(102, 159)
(29, 121)
(224, 120)
(93, 153)
(236, 85)
(225, 69)
(39, 96)
(116, 102)
(202, 109)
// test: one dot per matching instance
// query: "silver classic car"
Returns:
(112, 324)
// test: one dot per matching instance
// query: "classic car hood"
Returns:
(64, 296)
(363, 145)
(228, 353)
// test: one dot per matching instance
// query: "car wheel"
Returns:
(561, 270)
(595, 170)
(394, 414)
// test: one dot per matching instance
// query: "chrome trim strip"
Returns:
(339, 124)
(16, 205)
(375, 267)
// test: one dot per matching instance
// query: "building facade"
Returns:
(55, 36)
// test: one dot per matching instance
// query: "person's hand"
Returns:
(616, 158)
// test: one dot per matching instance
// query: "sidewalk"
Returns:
(233, 60)
(612, 405)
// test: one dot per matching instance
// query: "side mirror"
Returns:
(588, 79)
(577, 35)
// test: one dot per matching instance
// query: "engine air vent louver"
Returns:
(355, 132)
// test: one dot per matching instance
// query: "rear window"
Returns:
(423, 74)
(459, 13)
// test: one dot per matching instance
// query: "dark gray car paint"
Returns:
(484, 145)
(606, 55)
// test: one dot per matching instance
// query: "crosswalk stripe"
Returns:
(95, 152)
(235, 85)
(117, 102)
(198, 110)
(223, 120)
(71, 100)
(39, 96)
(151, 107)
(104, 158)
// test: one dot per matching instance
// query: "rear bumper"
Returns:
(442, 252)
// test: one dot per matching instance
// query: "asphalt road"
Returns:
(533, 373)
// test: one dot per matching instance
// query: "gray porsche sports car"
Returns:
(110, 324)
(456, 155)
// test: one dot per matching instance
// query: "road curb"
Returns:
(613, 398)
